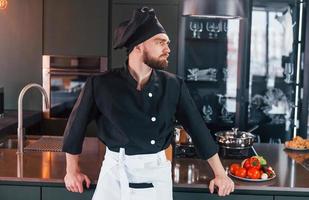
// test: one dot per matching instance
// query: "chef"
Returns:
(135, 107)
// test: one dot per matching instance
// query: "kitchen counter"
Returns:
(292, 173)
(189, 175)
(48, 167)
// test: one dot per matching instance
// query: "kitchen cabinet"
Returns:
(190, 175)
(289, 198)
(248, 71)
(75, 27)
(21, 192)
(51, 193)
(147, 1)
(64, 77)
(8, 192)
(210, 60)
(167, 14)
(198, 196)
(274, 82)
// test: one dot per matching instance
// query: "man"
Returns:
(135, 108)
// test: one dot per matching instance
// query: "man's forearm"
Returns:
(72, 163)
(216, 165)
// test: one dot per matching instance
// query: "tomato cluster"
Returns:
(251, 168)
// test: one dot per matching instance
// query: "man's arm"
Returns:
(222, 181)
(189, 116)
(83, 112)
(74, 178)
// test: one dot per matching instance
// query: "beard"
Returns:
(155, 63)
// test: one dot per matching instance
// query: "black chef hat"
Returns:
(143, 25)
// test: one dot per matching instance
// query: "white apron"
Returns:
(134, 177)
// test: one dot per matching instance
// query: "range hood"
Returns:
(216, 8)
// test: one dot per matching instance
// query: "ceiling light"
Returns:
(3, 4)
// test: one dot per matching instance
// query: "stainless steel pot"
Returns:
(235, 139)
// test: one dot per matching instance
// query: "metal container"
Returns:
(184, 147)
(235, 139)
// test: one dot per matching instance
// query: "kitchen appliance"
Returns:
(183, 145)
(235, 153)
(212, 45)
(218, 8)
(1, 102)
(235, 139)
(235, 143)
(64, 77)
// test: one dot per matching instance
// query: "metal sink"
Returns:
(34, 143)
(46, 143)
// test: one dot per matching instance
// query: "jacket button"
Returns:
(152, 142)
(153, 119)
(150, 94)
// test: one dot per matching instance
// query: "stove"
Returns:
(189, 151)
(235, 153)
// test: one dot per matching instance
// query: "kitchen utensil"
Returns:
(235, 139)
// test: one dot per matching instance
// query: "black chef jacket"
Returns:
(139, 121)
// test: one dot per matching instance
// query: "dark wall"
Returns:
(32, 28)
(75, 27)
(21, 50)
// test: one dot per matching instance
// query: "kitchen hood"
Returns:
(216, 8)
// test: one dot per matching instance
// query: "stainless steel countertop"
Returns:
(290, 167)
(188, 174)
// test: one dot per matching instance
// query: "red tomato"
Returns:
(247, 163)
(241, 172)
(234, 167)
(254, 173)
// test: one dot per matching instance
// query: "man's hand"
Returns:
(74, 178)
(224, 183)
(74, 181)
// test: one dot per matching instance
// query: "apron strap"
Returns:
(124, 182)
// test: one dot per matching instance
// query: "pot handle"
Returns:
(254, 151)
(235, 130)
(253, 128)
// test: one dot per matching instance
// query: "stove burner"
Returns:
(235, 153)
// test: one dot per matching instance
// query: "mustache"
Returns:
(165, 55)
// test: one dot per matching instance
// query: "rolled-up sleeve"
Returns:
(83, 112)
(190, 118)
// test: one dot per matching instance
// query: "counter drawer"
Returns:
(52, 193)
(290, 198)
(9, 192)
(199, 196)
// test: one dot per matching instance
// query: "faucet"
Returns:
(20, 129)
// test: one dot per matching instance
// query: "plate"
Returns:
(295, 149)
(251, 180)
